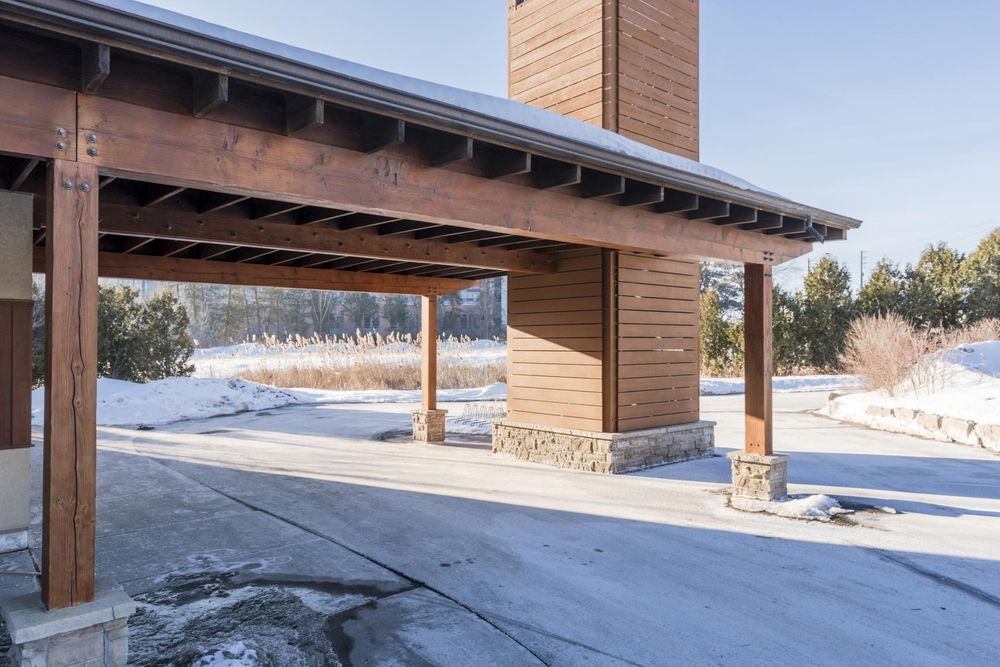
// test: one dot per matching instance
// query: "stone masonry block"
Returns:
(429, 425)
(759, 477)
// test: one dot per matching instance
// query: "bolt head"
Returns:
(67, 184)
(60, 132)
(61, 145)
(91, 138)
(85, 187)
(92, 152)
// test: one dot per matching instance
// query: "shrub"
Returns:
(136, 341)
(885, 351)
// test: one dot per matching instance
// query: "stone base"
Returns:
(604, 452)
(759, 477)
(15, 498)
(95, 633)
(428, 425)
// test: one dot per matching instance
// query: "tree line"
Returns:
(943, 290)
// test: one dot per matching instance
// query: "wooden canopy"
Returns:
(159, 147)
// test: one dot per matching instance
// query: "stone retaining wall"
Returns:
(604, 452)
(924, 424)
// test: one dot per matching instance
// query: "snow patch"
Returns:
(236, 654)
(810, 508)
(953, 396)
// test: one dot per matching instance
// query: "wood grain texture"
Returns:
(758, 362)
(555, 345)
(657, 341)
(180, 150)
(31, 114)
(15, 374)
(69, 487)
(176, 269)
(428, 353)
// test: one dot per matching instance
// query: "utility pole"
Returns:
(861, 282)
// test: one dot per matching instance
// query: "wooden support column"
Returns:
(428, 353)
(758, 363)
(69, 486)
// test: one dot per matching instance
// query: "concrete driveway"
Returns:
(302, 533)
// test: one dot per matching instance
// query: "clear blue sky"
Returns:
(886, 111)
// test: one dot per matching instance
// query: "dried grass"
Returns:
(888, 353)
(369, 362)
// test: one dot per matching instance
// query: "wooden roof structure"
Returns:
(94, 81)
(161, 147)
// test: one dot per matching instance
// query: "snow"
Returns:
(961, 383)
(236, 654)
(180, 399)
(790, 383)
(466, 101)
(817, 507)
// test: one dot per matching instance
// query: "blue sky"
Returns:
(883, 110)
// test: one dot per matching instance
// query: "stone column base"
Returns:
(15, 498)
(759, 477)
(428, 425)
(604, 452)
(94, 633)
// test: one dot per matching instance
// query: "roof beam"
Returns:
(22, 174)
(213, 202)
(362, 221)
(174, 269)
(154, 194)
(314, 216)
(95, 65)
(789, 226)
(638, 193)
(210, 91)
(548, 173)
(264, 209)
(738, 215)
(677, 201)
(200, 155)
(233, 231)
(709, 209)
(499, 161)
(381, 132)
(600, 184)
(303, 114)
(765, 221)
(443, 148)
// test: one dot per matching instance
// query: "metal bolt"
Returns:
(85, 187)
(60, 132)
(61, 145)
(91, 138)
(68, 184)
(91, 151)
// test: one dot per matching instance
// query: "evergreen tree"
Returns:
(119, 344)
(166, 345)
(883, 293)
(726, 281)
(361, 309)
(826, 310)
(935, 292)
(398, 310)
(982, 276)
(787, 340)
(721, 349)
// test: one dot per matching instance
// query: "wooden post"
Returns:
(428, 353)
(69, 486)
(758, 363)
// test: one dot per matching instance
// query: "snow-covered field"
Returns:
(954, 396)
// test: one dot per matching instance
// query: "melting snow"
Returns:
(811, 508)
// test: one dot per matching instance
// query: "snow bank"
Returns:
(955, 397)
(178, 399)
(790, 383)
(174, 399)
(810, 508)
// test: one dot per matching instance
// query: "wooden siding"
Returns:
(555, 56)
(555, 345)
(657, 341)
(657, 65)
(15, 374)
